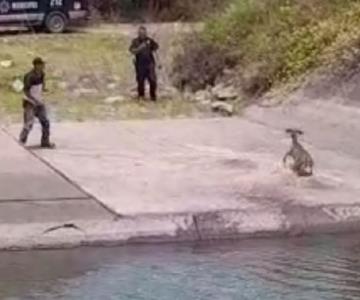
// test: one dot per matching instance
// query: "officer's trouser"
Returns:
(143, 74)
(30, 113)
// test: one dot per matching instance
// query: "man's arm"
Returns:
(135, 48)
(44, 83)
(154, 45)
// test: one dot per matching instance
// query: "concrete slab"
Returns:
(35, 201)
(196, 166)
(189, 180)
(53, 211)
(24, 177)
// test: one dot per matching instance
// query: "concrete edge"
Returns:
(291, 220)
(61, 175)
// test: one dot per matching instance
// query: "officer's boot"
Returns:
(45, 137)
(23, 136)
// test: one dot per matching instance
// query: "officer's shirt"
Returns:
(34, 85)
(146, 55)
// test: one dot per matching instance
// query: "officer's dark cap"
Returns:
(38, 61)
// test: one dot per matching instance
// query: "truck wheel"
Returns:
(55, 22)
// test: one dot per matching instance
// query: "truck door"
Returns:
(20, 11)
(56, 5)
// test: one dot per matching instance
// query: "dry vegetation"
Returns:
(266, 43)
(272, 41)
(157, 10)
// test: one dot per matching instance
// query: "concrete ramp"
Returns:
(33, 193)
(195, 179)
(164, 167)
(23, 177)
(196, 166)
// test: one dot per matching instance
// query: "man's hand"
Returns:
(142, 46)
(36, 102)
(157, 59)
(40, 104)
(139, 48)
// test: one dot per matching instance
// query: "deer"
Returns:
(302, 162)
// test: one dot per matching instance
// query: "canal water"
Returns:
(311, 268)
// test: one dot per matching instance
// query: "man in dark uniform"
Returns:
(33, 104)
(144, 49)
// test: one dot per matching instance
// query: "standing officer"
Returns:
(34, 107)
(144, 50)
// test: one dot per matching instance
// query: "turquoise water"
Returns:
(313, 268)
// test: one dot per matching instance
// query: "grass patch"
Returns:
(131, 109)
(70, 59)
(83, 69)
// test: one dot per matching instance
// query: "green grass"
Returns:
(69, 58)
(131, 109)
(284, 39)
(76, 61)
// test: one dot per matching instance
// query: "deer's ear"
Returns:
(288, 130)
(300, 132)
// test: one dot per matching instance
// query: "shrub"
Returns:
(275, 41)
(198, 64)
(163, 10)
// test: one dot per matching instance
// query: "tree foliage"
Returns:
(157, 9)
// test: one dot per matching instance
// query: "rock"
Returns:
(229, 77)
(131, 92)
(84, 91)
(62, 85)
(187, 96)
(168, 92)
(226, 109)
(59, 73)
(218, 86)
(230, 72)
(224, 93)
(86, 81)
(111, 86)
(6, 64)
(201, 96)
(205, 102)
(17, 86)
(114, 99)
